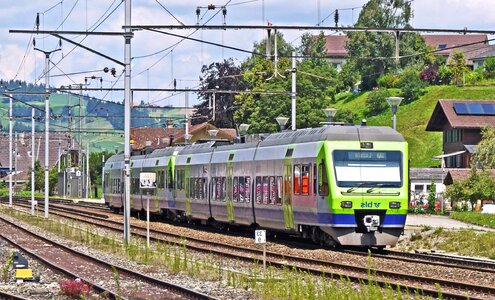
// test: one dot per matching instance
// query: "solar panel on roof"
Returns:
(488, 109)
(483, 109)
(460, 109)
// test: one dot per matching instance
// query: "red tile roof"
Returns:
(335, 44)
(153, 137)
(453, 40)
(454, 175)
(444, 113)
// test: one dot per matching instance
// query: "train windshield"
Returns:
(367, 168)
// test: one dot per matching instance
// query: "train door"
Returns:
(228, 202)
(287, 195)
(170, 196)
(188, 187)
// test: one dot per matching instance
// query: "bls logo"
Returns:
(370, 204)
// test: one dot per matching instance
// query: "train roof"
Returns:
(164, 152)
(333, 133)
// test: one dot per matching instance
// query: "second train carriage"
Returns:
(343, 185)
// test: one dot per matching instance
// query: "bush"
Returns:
(375, 103)
(346, 116)
(430, 74)
(489, 67)
(388, 81)
(473, 77)
(411, 85)
(444, 75)
(76, 289)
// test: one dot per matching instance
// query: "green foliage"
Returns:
(363, 47)
(315, 88)
(388, 80)
(345, 115)
(432, 197)
(484, 155)
(458, 67)
(489, 67)
(223, 76)
(478, 186)
(376, 103)
(475, 76)
(348, 77)
(444, 74)
(411, 85)
(39, 177)
(468, 243)
(487, 220)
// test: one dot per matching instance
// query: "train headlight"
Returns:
(394, 205)
(346, 204)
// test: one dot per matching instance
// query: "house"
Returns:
(21, 145)
(147, 139)
(472, 45)
(461, 122)
(421, 179)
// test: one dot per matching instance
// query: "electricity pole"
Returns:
(32, 160)
(47, 122)
(127, 123)
(10, 150)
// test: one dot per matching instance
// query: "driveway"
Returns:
(414, 221)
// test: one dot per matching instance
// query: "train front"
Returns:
(368, 180)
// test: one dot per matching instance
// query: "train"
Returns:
(336, 185)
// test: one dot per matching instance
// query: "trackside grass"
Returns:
(274, 283)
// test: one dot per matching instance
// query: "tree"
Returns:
(39, 177)
(432, 197)
(410, 85)
(95, 167)
(373, 52)
(345, 115)
(489, 67)
(315, 86)
(478, 186)
(484, 154)
(458, 67)
(222, 76)
(375, 103)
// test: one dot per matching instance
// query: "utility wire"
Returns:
(169, 12)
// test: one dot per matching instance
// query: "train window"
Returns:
(259, 190)
(235, 189)
(161, 180)
(322, 179)
(170, 179)
(289, 152)
(315, 179)
(242, 189)
(273, 190)
(218, 189)
(224, 188)
(204, 188)
(265, 189)
(305, 179)
(247, 190)
(213, 188)
(297, 179)
(278, 200)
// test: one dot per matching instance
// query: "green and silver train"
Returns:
(344, 185)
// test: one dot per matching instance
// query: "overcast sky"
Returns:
(19, 61)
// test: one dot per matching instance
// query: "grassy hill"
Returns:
(413, 117)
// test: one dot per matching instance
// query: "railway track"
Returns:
(99, 274)
(426, 285)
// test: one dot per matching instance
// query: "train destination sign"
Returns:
(147, 180)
